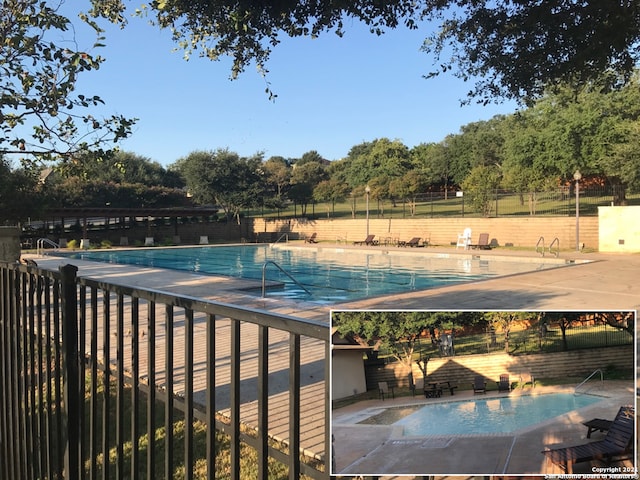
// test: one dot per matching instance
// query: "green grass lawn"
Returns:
(248, 456)
(505, 205)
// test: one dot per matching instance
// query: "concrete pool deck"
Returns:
(379, 450)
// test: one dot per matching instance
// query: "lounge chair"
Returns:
(367, 241)
(312, 238)
(531, 380)
(483, 242)
(464, 239)
(504, 384)
(479, 384)
(384, 389)
(414, 242)
(616, 443)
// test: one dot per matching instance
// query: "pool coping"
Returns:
(252, 287)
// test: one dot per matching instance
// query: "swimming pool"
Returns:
(482, 416)
(329, 275)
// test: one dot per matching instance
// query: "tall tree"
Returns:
(223, 178)
(519, 49)
(515, 48)
(307, 174)
(20, 197)
(42, 115)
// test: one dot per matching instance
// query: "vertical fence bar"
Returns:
(151, 396)
(94, 416)
(168, 409)
(14, 379)
(235, 400)
(135, 388)
(329, 467)
(120, 387)
(294, 406)
(263, 402)
(5, 440)
(24, 376)
(188, 394)
(82, 366)
(211, 397)
(42, 417)
(33, 407)
(106, 382)
(69, 295)
(57, 375)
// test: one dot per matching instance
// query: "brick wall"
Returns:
(519, 232)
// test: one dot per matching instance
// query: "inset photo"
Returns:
(483, 392)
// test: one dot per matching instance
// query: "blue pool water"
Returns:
(330, 274)
(495, 415)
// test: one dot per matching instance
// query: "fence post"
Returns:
(71, 370)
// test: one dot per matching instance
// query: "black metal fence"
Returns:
(560, 201)
(542, 339)
(106, 381)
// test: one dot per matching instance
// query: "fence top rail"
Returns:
(288, 323)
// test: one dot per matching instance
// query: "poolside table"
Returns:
(434, 391)
(597, 424)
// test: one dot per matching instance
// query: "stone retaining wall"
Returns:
(462, 369)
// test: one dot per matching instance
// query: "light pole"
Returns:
(367, 190)
(577, 176)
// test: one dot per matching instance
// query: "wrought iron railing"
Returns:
(100, 380)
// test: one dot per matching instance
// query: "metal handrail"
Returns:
(41, 243)
(575, 390)
(557, 242)
(284, 235)
(264, 283)
(541, 239)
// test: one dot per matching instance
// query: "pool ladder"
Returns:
(45, 241)
(264, 277)
(575, 390)
(540, 247)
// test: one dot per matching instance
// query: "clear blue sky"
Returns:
(333, 93)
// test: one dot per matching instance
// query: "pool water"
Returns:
(329, 275)
(482, 416)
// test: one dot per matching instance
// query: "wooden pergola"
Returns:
(82, 214)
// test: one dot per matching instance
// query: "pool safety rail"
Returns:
(577, 391)
(264, 277)
(88, 369)
(40, 244)
(540, 248)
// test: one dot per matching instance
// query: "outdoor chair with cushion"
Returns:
(385, 389)
(617, 443)
(479, 384)
(504, 384)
